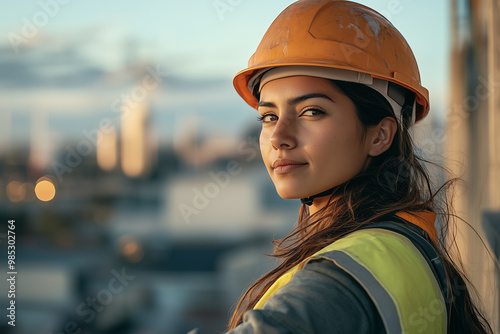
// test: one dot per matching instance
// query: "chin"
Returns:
(288, 197)
(289, 193)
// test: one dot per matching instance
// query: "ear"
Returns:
(381, 136)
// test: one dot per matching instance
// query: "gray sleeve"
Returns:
(320, 298)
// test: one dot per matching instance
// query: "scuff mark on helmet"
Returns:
(373, 23)
(359, 33)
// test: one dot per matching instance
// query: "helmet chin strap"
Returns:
(309, 200)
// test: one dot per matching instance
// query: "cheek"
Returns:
(264, 145)
(336, 148)
(262, 141)
(325, 141)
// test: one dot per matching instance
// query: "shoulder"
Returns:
(392, 271)
(382, 259)
(337, 291)
(319, 298)
(376, 249)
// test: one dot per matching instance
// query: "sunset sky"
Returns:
(64, 58)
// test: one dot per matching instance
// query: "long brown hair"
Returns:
(397, 180)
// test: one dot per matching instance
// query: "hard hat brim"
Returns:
(241, 79)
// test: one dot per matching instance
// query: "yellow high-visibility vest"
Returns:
(394, 274)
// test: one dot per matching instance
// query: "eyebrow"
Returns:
(297, 99)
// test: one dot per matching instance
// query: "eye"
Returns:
(312, 112)
(267, 118)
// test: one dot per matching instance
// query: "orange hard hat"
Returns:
(338, 35)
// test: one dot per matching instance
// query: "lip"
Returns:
(283, 166)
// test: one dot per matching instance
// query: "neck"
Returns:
(319, 203)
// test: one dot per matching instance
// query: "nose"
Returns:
(283, 136)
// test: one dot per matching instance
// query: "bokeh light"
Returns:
(129, 248)
(45, 190)
(16, 191)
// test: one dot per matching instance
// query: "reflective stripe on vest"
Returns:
(394, 274)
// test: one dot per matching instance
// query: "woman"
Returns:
(338, 90)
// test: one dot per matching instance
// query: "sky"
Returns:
(63, 58)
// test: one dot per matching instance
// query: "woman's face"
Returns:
(311, 138)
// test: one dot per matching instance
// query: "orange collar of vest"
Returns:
(423, 219)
